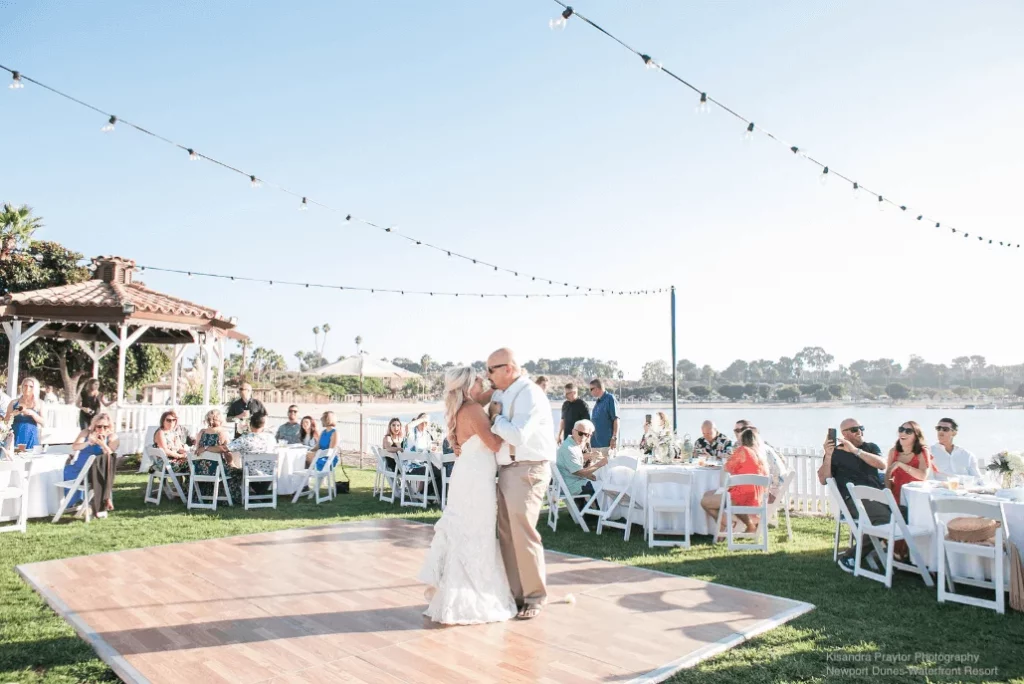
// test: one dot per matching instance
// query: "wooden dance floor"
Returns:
(341, 603)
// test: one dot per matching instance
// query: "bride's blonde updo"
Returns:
(457, 382)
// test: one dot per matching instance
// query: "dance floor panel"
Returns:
(341, 604)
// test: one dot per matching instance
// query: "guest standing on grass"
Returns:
(101, 441)
(89, 403)
(290, 432)
(25, 415)
(574, 410)
(605, 417)
(746, 459)
(244, 407)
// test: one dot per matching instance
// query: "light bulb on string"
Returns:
(254, 181)
(560, 21)
(881, 203)
(856, 190)
(16, 82)
(303, 206)
(749, 134)
(702, 105)
(650, 63)
(192, 156)
(190, 275)
(823, 178)
(111, 122)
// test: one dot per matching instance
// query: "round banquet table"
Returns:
(291, 459)
(43, 497)
(703, 480)
(917, 496)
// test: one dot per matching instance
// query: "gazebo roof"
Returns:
(111, 297)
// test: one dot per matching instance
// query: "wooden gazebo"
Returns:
(110, 312)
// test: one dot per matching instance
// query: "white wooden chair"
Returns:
(385, 482)
(557, 493)
(445, 477)
(16, 489)
(891, 532)
(780, 507)
(679, 503)
(254, 470)
(408, 480)
(218, 479)
(79, 484)
(162, 478)
(147, 461)
(609, 496)
(729, 509)
(316, 475)
(942, 508)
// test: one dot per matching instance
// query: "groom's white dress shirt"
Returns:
(960, 462)
(525, 422)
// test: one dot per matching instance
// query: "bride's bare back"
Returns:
(472, 420)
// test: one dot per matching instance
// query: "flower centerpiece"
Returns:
(1009, 465)
(5, 431)
(661, 445)
(436, 433)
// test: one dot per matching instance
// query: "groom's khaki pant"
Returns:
(521, 488)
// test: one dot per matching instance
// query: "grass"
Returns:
(852, 616)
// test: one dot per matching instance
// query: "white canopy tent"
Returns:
(365, 367)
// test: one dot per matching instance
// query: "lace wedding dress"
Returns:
(464, 566)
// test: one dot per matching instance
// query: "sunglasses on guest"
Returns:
(583, 434)
(491, 369)
(943, 428)
(906, 430)
(855, 429)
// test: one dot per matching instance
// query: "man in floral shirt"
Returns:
(713, 444)
(256, 441)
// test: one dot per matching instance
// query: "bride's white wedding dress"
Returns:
(464, 563)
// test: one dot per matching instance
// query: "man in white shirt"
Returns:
(521, 416)
(951, 460)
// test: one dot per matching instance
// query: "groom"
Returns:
(521, 416)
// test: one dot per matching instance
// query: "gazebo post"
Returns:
(179, 351)
(221, 353)
(17, 340)
(207, 349)
(95, 360)
(122, 357)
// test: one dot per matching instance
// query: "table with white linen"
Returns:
(917, 496)
(43, 497)
(704, 479)
(291, 459)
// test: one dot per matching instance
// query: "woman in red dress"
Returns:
(909, 460)
(745, 460)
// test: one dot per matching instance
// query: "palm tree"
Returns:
(425, 363)
(316, 337)
(16, 227)
(323, 345)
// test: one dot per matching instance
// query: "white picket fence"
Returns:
(806, 494)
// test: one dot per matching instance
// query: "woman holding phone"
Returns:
(25, 414)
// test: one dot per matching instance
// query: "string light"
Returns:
(750, 131)
(375, 290)
(192, 156)
(824, 176)
(702, 106)
(303, 206)
(257, 182)
(563, 19)
(111, 122)
(651, 64)
(16, 83)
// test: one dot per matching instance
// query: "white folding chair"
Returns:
(321, 470)
(79, 484)
(445, 477)
(386, 479)
(407, 461)
(16, 489)
(942, 509)
(729, 509)
(610, 496)
(781, 503)
(217, 479)
(259, 468)
(146, 461)
(680, 503)
(557, 493)
(162, 478)
(891, 532)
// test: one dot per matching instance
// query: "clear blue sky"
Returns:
(474, 126)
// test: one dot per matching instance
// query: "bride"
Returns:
(464, 570)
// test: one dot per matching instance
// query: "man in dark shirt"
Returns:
(245, 407)
(854, 460)
(573, 409)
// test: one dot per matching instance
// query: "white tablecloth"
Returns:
(291, 458)
(917, 498)
(43, 497)
(704, 480)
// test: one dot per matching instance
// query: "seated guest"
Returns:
(951, 460)
(778, 468)
(101, 441)
(542, 382)
(909, 461)
(167, 439)
(577, 472)
(574, 410)
(290, 432)
(417, 437)
(745, 460)
(328, 438)
(255, 441)
(213, 437)
(309, 435)
(712, 443)
(393, 442)
(854, 460)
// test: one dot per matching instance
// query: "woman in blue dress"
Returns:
(25, 415)
(328, 439)
(98, 440)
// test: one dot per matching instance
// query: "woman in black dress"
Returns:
(89, 403)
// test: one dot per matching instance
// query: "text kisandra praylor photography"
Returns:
(919, 664)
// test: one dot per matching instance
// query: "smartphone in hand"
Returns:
(832, 436)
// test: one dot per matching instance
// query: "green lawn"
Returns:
(852, 616)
